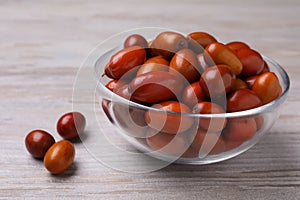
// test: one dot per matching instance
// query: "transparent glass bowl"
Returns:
(127, 118)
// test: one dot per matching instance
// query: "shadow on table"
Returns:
(66, 175)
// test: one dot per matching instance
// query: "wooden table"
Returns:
(42, 45)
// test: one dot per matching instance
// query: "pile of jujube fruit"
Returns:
(57, 156)
(192, 74)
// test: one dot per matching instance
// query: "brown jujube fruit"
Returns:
(239, 84)
(156, 63)
(231, 144)
(37, 143)
(213, 124)
(253, 63)
(135, 40)
(240, 129)
(242, 99)
(202, 63)
(114, 85)
(158, 60)
(193, 94)
(250, 81)
(156, 86)
(169, 123)
(59, 157)
(211, 143)
(267, 87)
(130, 119)
(217, 80)
(124, 61)
(237, 45)
(105, 104)
(167, 43)
(124, 92)
(266, 67)
(71, 125)
(222, 54)
(166, 143)
(185, 62)
(199, 40)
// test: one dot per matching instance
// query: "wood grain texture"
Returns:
(42, 45)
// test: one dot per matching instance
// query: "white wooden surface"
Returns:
(42, 44)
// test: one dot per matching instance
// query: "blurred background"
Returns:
(42, 45)
(74, 27)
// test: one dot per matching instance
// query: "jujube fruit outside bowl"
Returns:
(188, 98)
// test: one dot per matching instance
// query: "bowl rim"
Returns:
(250, 112)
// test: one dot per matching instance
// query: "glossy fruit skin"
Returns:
(169, 123)
(124, 92)
(59, 157)
(199, 40)
(242, 99)
(202, 63)
(185, 62)
(240, 129)
(37, 143)
(250, 81)
(125, 60)
(114, 85)
(166, 143)
(135, 40)
(211, 143)
(253, 63)
(237, 45)
(167, 43)
(157, 63)
(156, 86)
(267, 87)
(239, 84)
(71, 125)
(211, 124)
(222, 54)
(157, 59)
(193, 94)
(217, 80)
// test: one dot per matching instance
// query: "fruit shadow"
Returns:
(66, 175)
(83, 136)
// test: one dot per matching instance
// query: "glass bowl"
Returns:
(128, 119)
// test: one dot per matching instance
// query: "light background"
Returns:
(42, 44)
